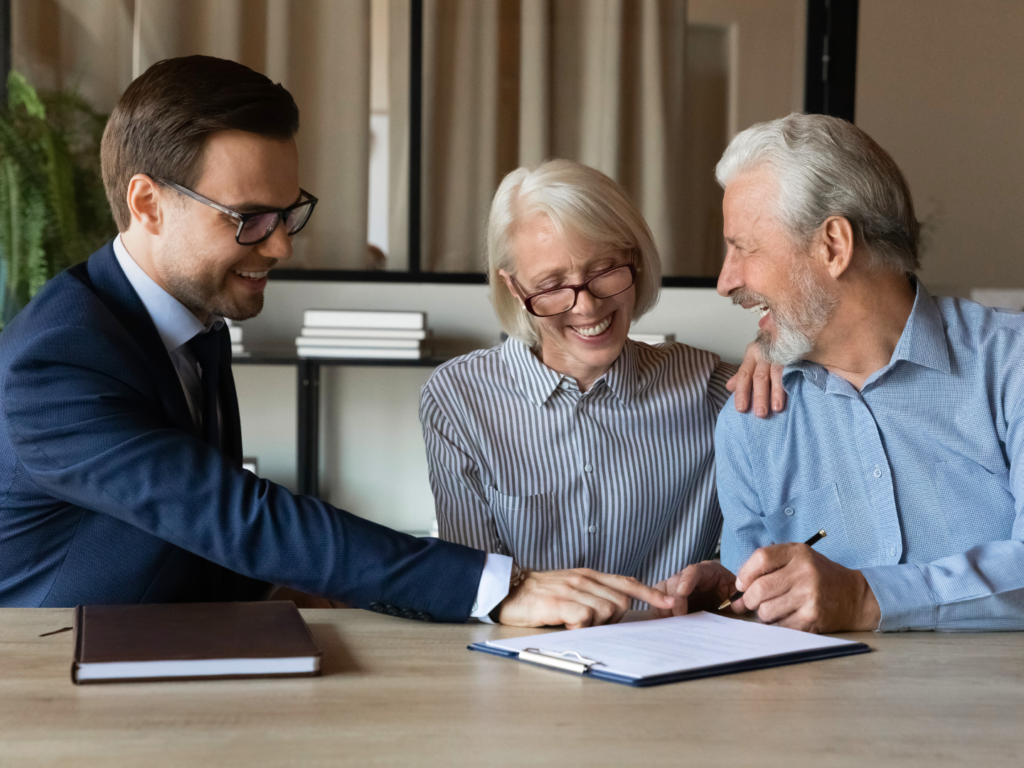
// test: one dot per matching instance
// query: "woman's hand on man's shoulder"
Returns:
(759, 381)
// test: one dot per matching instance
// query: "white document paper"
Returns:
(681, 643)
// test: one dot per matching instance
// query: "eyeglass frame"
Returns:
(528, 300)
(243, 218)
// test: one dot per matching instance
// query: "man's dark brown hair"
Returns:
(161, 123)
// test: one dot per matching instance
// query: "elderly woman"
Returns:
(570, 445)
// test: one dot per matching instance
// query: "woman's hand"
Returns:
(759, 380)
(576, 598)
(699, 587)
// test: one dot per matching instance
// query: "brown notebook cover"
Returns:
(191, 641)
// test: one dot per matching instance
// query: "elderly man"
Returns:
(906, 414)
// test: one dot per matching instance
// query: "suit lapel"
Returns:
(117, 294)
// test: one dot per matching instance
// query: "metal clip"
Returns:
(570, 661)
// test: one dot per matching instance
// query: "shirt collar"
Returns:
(534, 379)
(537, 382)
(174, 322)
(923, 342)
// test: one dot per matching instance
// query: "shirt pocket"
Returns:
(802, 516)
(976, 502)
(529, 526)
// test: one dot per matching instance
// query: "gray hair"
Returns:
(587, 209)
(826, 167)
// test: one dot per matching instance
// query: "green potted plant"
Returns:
(53, 210)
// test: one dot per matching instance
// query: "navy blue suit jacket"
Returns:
(108, 494)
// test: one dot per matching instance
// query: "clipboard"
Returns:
(576, 663)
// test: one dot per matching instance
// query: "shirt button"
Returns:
(593, 529)
(589, 468)
(892, 551)
(878, 471)
(564, 385)
(788, 510)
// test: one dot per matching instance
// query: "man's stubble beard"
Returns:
(202, 293)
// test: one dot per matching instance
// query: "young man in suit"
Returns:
(120, 444)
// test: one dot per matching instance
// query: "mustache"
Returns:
(749, 297)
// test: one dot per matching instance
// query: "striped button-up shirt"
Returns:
(918, 478)
(619, 478)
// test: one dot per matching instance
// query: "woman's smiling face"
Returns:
(585, 341)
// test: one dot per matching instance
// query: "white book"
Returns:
(306, 341)
(363, 333)
(236, 334)
(653, 338)
(360, 352)
(337, 318)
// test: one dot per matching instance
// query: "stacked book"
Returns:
(237, 347)
(653, 338)
(363, 334)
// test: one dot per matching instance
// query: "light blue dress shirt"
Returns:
(918, 479)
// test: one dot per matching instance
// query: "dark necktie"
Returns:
(206, 348)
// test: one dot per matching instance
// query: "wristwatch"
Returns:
(517, 577)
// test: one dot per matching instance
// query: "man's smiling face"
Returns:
(767, 273)
(197, 256)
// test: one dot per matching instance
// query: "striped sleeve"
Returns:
(463, 515)
(717, 393)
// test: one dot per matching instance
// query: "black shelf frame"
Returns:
(308, 380)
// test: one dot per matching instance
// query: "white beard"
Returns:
(799, 323)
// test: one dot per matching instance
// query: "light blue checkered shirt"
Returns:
(915, 478)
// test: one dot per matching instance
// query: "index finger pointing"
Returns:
(638, 591)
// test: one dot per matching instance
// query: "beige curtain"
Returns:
(319, 49)
(85, 44)
(513, 82)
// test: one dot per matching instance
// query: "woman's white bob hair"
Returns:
(588, 210)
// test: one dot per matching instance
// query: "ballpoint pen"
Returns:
(737, 595)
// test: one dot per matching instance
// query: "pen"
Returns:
(737, 595)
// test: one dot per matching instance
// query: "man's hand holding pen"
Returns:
(794, 586)
(790, 585)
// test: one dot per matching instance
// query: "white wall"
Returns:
(372, 458)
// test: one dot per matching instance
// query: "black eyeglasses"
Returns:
(603, 285)
(256, 227)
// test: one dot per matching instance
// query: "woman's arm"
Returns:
(463, 514)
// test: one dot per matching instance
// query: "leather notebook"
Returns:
(191, 641)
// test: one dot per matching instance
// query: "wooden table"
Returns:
(398, 692)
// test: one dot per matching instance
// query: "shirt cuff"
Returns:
(903, 596)
(493, 587)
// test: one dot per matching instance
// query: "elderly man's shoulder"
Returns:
(963, 316)
(974, 327)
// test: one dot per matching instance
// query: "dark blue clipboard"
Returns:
(765, 662)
